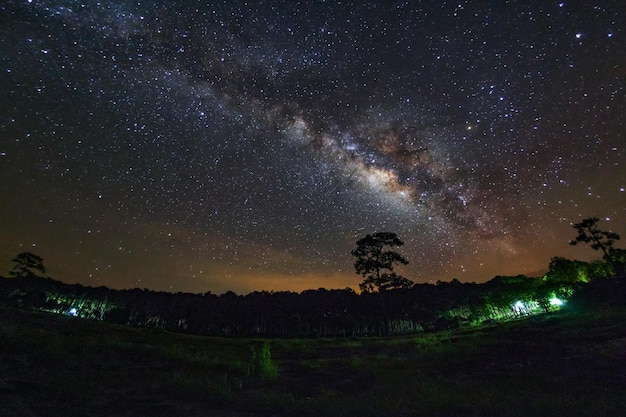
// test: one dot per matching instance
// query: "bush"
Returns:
(263, 366)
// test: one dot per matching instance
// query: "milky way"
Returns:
(239, 146)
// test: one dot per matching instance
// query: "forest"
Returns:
(388, 304)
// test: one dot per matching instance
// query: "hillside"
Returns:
(563, 363)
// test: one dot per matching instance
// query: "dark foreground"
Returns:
(570, 363)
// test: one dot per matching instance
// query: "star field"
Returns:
(244, 146)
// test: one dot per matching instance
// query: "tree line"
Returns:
(388, 304)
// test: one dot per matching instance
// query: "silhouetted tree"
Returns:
(376, 264)
(588, 232)
(25, 265)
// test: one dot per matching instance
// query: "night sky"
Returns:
(180, 146)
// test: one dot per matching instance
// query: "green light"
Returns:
(556, 302)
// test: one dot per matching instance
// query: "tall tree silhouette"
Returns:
(588, 232)
(25, 265)
(376, 264)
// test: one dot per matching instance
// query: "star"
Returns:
(144, 143)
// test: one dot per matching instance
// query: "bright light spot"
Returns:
(556, 302)
(73, 312)
(579, 35)
(519, 304)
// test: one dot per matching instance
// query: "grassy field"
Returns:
(569, 364)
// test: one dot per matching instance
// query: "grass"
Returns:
(562, 364)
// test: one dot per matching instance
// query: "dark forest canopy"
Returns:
(311, 313)
(388, 304)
